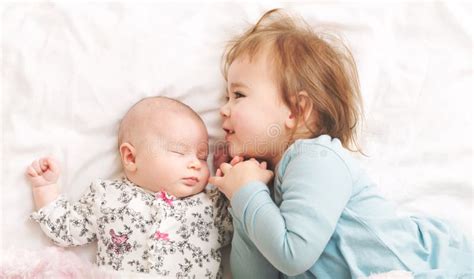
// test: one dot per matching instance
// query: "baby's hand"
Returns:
(42, 172)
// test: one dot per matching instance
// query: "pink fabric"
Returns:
(55, 262)
(160, 235)
(52, 262)
(166, 197)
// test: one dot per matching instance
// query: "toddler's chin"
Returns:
(235, 150)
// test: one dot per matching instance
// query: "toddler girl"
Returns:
(294, 102)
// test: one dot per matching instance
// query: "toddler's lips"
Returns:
(228, 134)
(190, 181)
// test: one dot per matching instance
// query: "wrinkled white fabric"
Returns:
(71, 70)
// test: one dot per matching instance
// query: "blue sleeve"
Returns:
(245, 259)
(316, 186)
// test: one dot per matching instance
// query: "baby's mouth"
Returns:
(190, 181)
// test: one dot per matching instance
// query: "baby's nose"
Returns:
(195, 164)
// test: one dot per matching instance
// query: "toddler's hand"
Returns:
(42, 172)
(234, 177)
(233, 162)
(220, 156)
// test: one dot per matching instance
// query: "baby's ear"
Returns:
(127, 156)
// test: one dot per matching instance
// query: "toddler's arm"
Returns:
(292, 236)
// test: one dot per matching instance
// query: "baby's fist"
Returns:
(42, 172)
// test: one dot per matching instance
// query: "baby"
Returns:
(158, 219)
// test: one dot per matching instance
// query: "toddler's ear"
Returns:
(305, 107)
(127, 155)
(290, 121)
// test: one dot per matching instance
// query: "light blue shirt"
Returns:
(326, 220)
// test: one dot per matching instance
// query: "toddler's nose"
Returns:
(224, 110)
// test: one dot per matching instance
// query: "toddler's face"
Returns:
(172, 156)
(254, 115)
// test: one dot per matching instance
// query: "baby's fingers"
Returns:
(31, 171)
(43, 165)
(36, 166)
(51, 164)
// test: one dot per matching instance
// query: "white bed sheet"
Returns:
(70, 71)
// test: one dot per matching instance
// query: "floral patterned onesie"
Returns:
(141, 231)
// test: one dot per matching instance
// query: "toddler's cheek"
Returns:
(238, 117)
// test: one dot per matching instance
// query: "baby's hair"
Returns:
(161, 103)
(303, 61)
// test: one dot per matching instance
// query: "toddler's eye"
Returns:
(238, 95)
(177, 152)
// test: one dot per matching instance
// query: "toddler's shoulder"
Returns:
(315, 149)
(318, 145)
(309, 152)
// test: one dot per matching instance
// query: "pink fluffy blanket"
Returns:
(52, 262)
(55, 262)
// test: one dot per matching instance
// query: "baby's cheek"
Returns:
(207, 173)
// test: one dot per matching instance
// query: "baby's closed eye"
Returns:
(203, 157)
(177, 152)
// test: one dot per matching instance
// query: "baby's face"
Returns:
(173, 156)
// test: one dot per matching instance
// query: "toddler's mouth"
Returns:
(228, 133)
